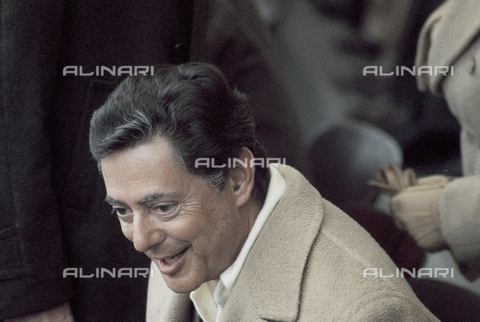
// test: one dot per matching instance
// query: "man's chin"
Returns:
(178, 286)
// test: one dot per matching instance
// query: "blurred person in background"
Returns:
(440, 211)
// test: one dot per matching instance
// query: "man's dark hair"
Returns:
(191, 105)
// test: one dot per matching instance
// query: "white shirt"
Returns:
(210, 298)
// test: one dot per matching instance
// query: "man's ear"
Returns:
(242, 176)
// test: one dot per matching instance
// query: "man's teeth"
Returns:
(173, 259)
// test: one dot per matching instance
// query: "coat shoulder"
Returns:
(349, 275)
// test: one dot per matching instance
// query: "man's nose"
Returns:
(146, 232)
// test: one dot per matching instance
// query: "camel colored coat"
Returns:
(306, 265)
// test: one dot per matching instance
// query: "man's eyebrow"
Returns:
(153, 197)
(148, 199)
(113, 201)
(156, 196)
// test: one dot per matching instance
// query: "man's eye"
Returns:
(165, 208)
(120, 212)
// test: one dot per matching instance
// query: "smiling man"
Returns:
(239, 243)
(191, 231)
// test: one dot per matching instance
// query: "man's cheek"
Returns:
(127, 231)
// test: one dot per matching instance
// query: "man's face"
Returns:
(190, 231)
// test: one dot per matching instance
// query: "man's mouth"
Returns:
(173, 259)
(173, 264)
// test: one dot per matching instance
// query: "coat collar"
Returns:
(269, 285)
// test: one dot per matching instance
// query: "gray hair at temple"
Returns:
(193, 106)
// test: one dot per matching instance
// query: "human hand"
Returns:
(416, 210)
(60, 313)
(392, 179)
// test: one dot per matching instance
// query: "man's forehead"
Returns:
(143, 174)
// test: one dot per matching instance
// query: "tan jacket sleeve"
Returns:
(460, 219)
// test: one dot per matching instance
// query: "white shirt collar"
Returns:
(211, 296)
